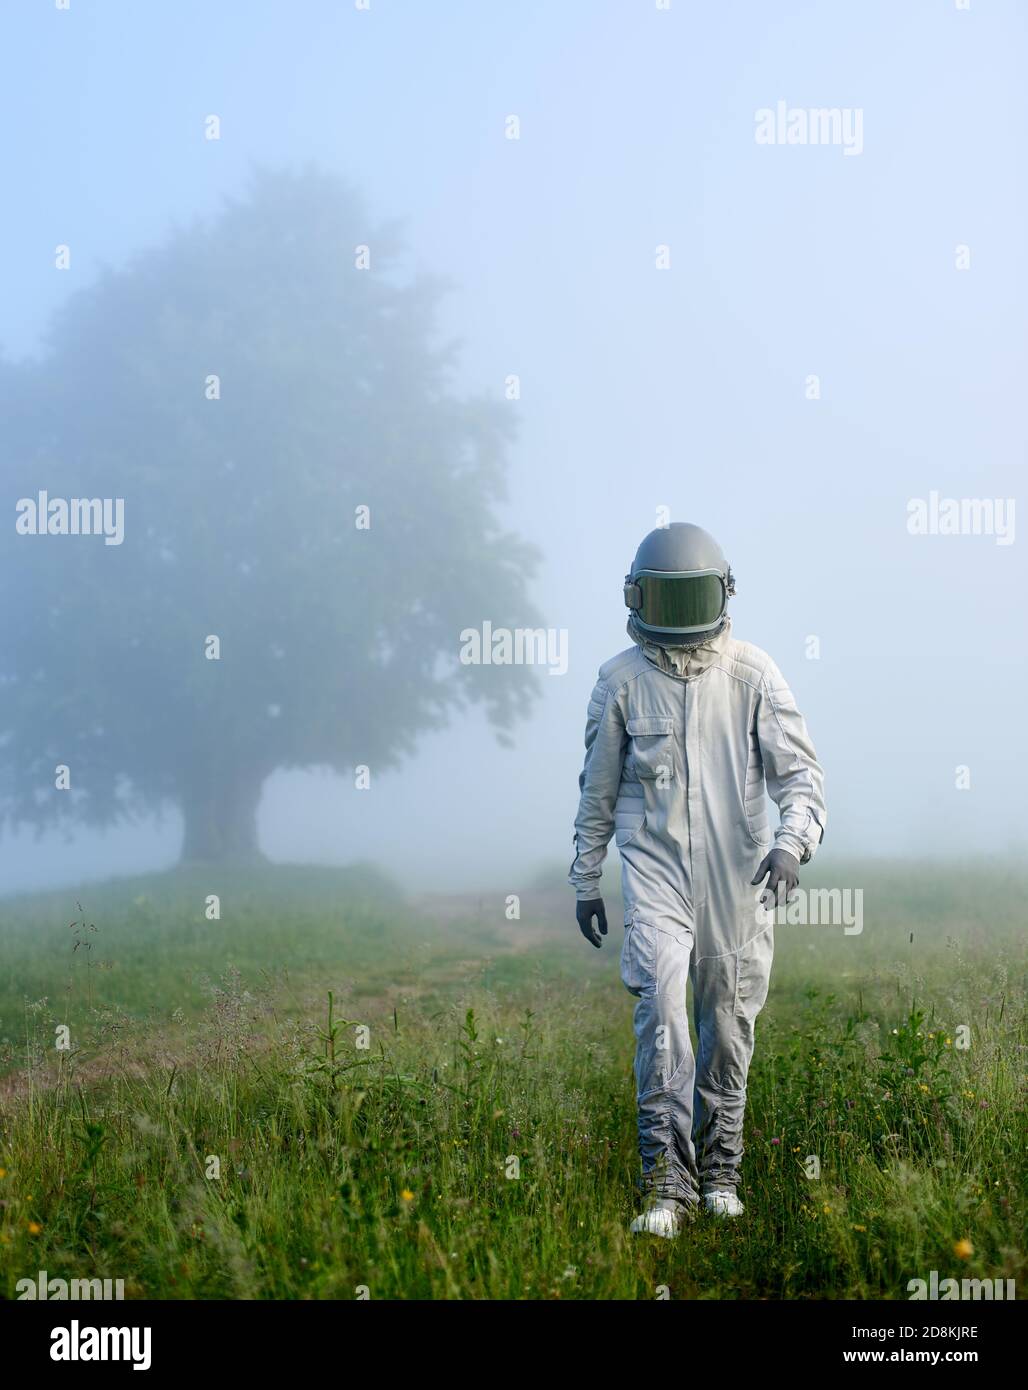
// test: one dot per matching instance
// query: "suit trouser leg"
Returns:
(728, 993)
(655, 968)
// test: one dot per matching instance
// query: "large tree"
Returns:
(338, 645)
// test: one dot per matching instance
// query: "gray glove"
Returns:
(585, 912)
(782, 870)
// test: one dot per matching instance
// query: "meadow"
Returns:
(332, 1092)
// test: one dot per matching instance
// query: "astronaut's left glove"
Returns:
(782, 871)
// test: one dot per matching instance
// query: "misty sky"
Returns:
(641, 388)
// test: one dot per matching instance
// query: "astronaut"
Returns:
(685, 732)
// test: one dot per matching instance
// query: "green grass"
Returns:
(495, 1048)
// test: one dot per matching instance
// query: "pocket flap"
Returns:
(647, 725)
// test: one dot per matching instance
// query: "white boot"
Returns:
(723, 1203)
(663, 1218)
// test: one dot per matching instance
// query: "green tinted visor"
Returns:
(686, 602)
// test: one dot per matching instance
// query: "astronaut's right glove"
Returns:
(585, 912)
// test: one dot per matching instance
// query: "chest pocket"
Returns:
(652, 746)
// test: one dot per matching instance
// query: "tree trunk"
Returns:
(220, 818)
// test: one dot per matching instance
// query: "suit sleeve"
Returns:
(605, 741)
(795, 780)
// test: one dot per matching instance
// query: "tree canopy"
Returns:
(246, 388)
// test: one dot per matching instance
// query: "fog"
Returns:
(789, 345)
